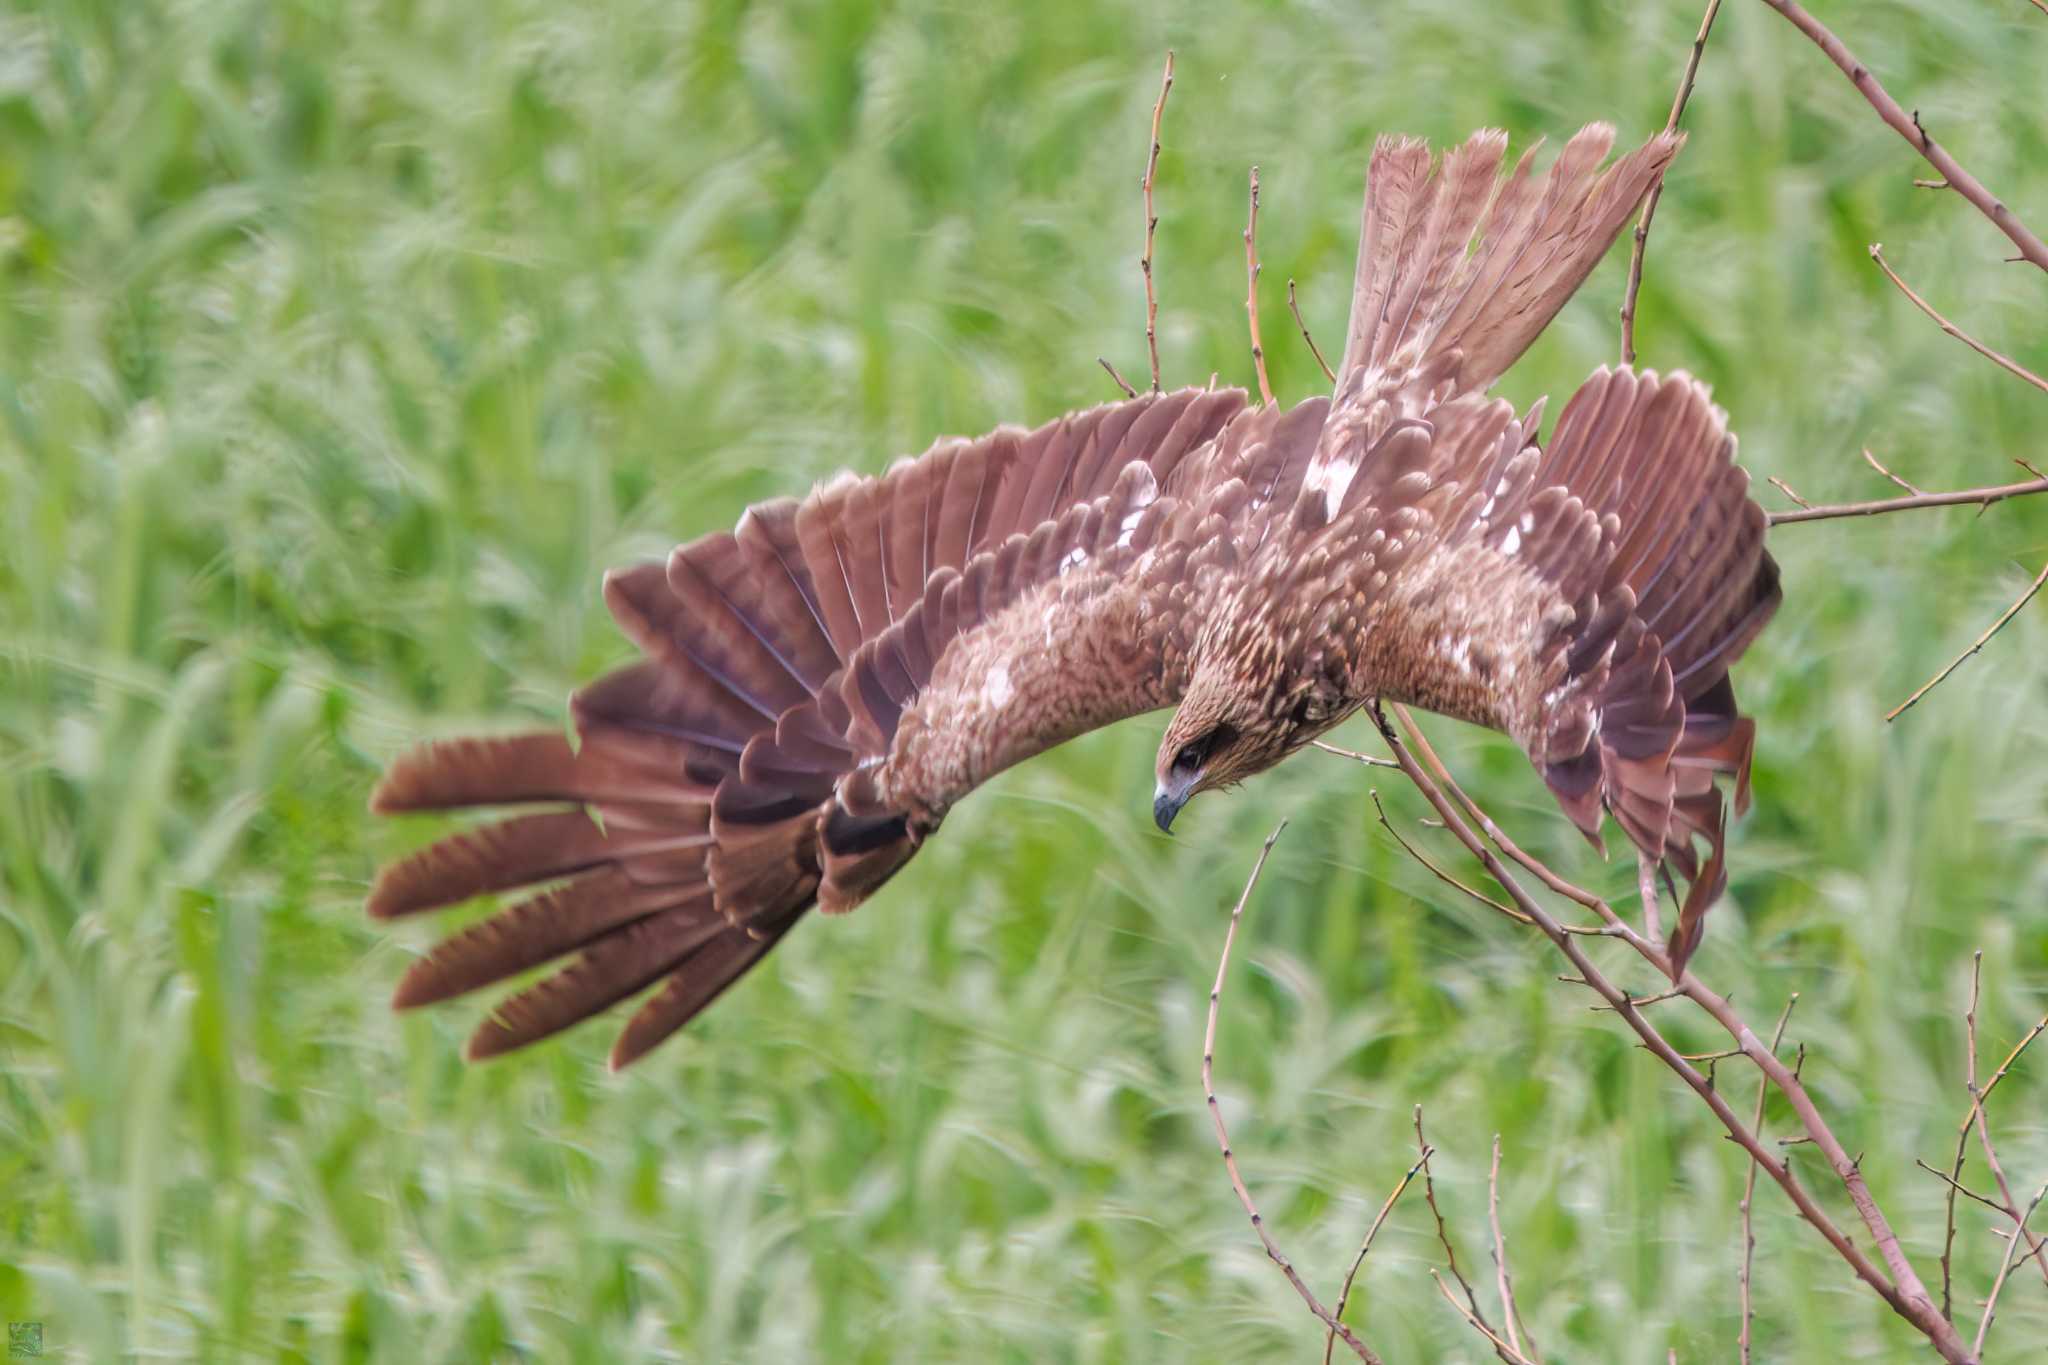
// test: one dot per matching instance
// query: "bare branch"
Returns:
(1642, 232)
(1251, 291)
(1152, 221)
(1510, 1313)
(2004, 362)
(1756, 1123)
(1121, 382)
(1981, 641)
(2031, 248)
(1314, 349)
(1344, 1298)
(1908, 1296)
(1967, 497)
(1244, 1196)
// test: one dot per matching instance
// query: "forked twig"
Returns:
(1351, 1275)
(1251, 291)
(2003, 362)
(1981, 641)
(1763, 1086)
(1314, 349)
(1642, 232)
(1244, 1195)
(1121, 382)
(1152, 221)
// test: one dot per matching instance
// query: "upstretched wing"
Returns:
(743, 770)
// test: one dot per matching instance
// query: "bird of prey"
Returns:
(824, 682)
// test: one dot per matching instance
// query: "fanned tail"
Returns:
(1463, 266)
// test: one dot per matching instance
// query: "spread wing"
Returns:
(743, 770)
(1587, 596)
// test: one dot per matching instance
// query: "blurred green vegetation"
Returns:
(344, 345)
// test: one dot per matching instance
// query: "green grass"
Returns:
(344, 346)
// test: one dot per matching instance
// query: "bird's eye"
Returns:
(1189, 758)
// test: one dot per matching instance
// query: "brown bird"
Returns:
(824, 682)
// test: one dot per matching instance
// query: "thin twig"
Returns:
(1756, 1123)
(1981, 641)
(1121, 382)
(1314, 349)
(2032, 248)
(1958, 1187)
(1966, 497)
(1244, 1196)
(1344, 1298)
(1642, 232)
(2005, 1269)
(1500, 1348)
(1152, 221)
(1872, 461)
(1786, 489)
(1511, 1314)
(2003, 362)
(1251, 290)
(1355, 756)
(1441, 875)
(1907, 1296)
(1955, 1174)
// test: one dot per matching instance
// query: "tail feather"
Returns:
(1424, 290)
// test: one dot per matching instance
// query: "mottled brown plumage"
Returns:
(823, 683)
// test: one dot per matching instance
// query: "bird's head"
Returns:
(1228, 729)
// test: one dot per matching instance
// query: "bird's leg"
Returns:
(1646, 881)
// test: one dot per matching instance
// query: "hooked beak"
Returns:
(1167, 799)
